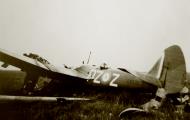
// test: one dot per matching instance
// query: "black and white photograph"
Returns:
(94, 60)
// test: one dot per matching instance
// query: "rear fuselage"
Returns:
(114, 78)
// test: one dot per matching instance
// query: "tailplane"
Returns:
(170, 70)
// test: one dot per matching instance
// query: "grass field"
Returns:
(106, 107)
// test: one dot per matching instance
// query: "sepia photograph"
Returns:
(94, 59)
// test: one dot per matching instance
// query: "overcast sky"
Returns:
(123, 33)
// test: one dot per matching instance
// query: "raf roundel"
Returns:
(105, 77)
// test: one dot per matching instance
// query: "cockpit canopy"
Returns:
(103, 66)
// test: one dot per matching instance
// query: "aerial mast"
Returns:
(89, 58)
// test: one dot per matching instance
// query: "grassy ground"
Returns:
(106, 107)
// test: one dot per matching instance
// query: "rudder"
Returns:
(170, 69)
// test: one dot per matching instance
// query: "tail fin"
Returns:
(170, 69)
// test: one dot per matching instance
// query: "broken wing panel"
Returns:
(21, 62)
(31, 65)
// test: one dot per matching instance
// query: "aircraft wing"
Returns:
(32, 65)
